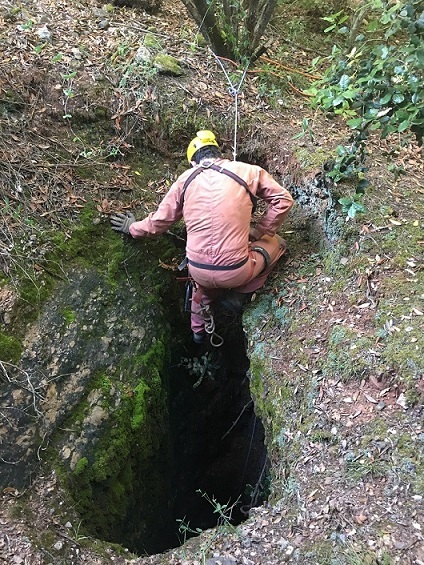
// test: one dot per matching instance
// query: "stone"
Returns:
(167, 65)
(143, 55)
(152, 41)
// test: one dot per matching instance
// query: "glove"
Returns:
(122, 222)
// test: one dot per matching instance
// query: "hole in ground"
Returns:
(216, 450)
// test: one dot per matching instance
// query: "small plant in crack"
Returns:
(185, 529)
(224, 511)
(200, 367)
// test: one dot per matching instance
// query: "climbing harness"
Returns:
(234, 91)
(218, 169)
(205, 310)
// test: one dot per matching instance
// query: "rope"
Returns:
(234, 91)
(215, 339)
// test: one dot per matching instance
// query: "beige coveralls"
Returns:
(217, 211)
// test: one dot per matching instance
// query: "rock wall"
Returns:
(88, 395)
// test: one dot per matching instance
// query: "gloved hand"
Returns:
(254, 234)
(121, 222)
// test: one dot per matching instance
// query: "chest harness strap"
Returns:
(230, 174)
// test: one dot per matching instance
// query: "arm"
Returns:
(279, 202)
(168, 212)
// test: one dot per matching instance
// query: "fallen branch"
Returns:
(245, 407)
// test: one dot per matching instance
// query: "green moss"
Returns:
(91, 244)
(149, 366)
(106, 384)
(48, 538)
(322, 436)
(151, 40)
(69, 315)
(139, 405)
(131, 439)
(399, 327)
(312, 159)
(80, 466)
(10, 348)
(167, 64)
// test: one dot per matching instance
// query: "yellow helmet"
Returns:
(204, 137)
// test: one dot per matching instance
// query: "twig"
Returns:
(245, 407)
(8, 462)
(7, 419)
(30, 387)
(40, 447)
(291, 69)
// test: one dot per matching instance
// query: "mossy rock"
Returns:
(151, 41)
(167, 65)
(10, 348)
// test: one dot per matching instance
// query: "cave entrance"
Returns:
(218, 465)
(219, 454)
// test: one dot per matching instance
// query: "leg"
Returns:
(273, 248)
(201, 297)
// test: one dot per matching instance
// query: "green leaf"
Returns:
(39, 48)
(344, 81)
(329, 28)
(354, 209)
(373, 25)
(350, 94)
(386, 98)
(69, 75)
(345, 201)
(403, 126)
(398, 98)
(355, 123)
(361, 186)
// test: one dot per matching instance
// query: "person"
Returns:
(216, 198)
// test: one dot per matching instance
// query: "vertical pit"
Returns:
(214, 453)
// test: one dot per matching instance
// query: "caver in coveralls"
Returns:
(216, 198)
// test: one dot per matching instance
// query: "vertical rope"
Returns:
(234, 91)
(235, 126)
